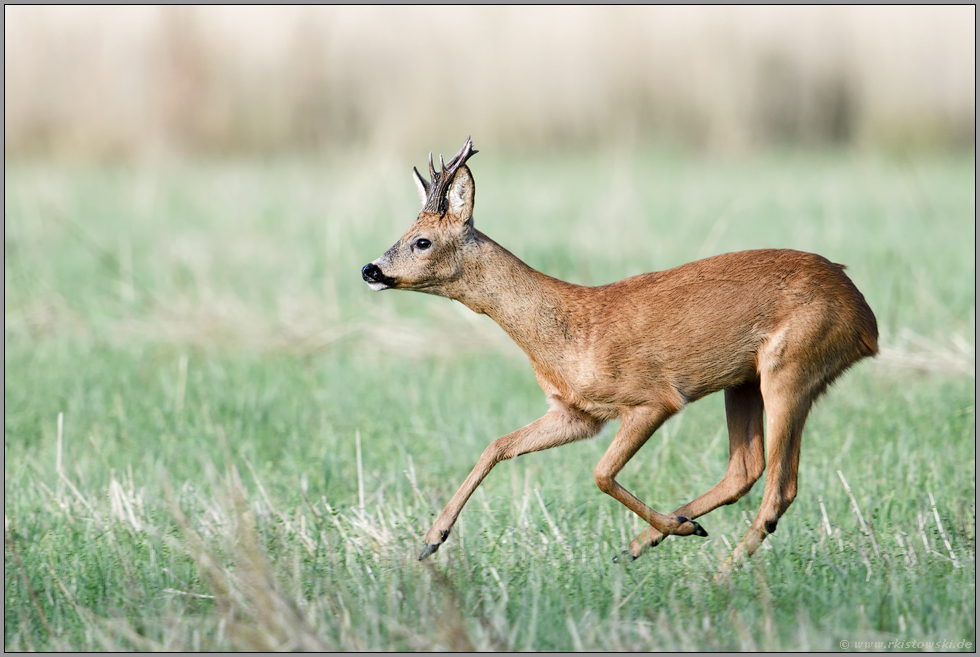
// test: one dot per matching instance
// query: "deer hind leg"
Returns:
(559, 426)
(746, 461)
(788, 396)
(638, 425)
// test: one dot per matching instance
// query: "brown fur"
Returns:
(772, 328)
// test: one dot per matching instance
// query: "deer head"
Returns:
(432, 253)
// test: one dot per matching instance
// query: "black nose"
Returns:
(371, 273)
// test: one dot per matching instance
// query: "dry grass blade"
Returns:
(826, 521)
(942, 532)
(857, 511)
(257, 615)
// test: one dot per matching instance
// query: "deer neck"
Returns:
(533, 308)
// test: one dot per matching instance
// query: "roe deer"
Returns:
(772, 328)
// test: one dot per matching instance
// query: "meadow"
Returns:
(216, 437)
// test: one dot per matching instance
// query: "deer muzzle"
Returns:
(375, 278)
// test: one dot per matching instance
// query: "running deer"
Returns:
(772, 328)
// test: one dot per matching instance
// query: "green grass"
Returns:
(204, 334)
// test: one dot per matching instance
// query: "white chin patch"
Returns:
(377, 287)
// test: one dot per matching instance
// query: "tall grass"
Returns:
(216, 437)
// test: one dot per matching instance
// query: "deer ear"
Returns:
(461, 194)
(421, 185)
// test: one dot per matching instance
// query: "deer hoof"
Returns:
(428, 550)
(624, 557)
(696, 530)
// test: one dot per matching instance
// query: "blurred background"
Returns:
(109, 83)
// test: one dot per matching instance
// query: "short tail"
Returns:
(869, 345)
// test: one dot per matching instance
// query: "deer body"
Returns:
(771, 327)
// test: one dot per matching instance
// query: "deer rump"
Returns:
(772, 328)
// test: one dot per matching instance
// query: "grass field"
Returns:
(216, 437)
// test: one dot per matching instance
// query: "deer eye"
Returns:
(422, 244)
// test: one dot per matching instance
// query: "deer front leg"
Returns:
(559, 426)
(639, 423)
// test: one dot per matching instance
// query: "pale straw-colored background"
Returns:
(118, 83)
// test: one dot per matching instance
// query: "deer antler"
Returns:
(441, 180)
